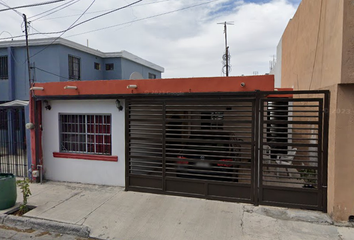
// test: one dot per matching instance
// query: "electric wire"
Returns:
(78, 24)
(42, 70)
(66, 30)
(54, 10)
(116, 25)
(141, 19)
(3, 3)
(30, 5)
(74, 15)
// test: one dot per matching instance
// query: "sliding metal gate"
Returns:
(230, 148)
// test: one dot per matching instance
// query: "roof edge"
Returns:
(61, 41)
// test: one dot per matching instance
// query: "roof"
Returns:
(77, 46)
(173, 86)
(15, 103)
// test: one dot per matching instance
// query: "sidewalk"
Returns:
(112, 213)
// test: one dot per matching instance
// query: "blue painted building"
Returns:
(56, 60)
(52, 60)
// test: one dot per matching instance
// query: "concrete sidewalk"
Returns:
(112, 213)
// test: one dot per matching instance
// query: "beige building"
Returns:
(317, 52)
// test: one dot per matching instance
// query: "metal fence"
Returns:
(13, 154)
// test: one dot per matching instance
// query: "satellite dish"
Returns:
(135, 75)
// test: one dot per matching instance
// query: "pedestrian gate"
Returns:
(13, 154)
(262, 148)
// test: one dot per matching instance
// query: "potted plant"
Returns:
(309, 175)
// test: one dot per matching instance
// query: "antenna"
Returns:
(135, 75)
(272, 63)
(226, 56)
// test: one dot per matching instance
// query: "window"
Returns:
(109, 66)
(85, 133)
(74, 68)
(97, 66)
(4, 70)
(152, 76)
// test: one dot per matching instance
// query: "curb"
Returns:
(43, 224)
(292, 214)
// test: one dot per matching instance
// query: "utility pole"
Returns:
(27, 49)
(226, 57)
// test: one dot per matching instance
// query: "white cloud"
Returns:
(186, 43)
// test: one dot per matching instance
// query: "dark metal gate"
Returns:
(293, 150)
(234, 148)
(13, 154)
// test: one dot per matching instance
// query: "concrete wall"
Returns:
(348, 43)
(88, 72)
(52, 66)
(84, 171)
(312, 45)
(343, 202)
(276, 71)
(318, 53)
(116, 73)
(128, 67)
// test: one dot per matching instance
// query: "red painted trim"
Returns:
(85, 156)
(158, 86)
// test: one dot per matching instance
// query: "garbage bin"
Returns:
(8, 193)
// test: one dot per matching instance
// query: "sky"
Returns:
(182, 36)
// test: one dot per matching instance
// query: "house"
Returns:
(316, 53)
(57, 60)
(225, 138)
(52, 60)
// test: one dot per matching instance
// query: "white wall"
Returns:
(276, 71)
(83, 171)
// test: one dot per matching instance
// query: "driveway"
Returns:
(112, 213)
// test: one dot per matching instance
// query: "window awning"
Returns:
(15, 103)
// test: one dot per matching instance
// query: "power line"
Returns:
(120, 24)
(78, 24)
(5, 4)
(42, 70)
(66, 29)
(30, 5)
(103, 14)
(73, 15)
(141, 19)
(54, 10)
